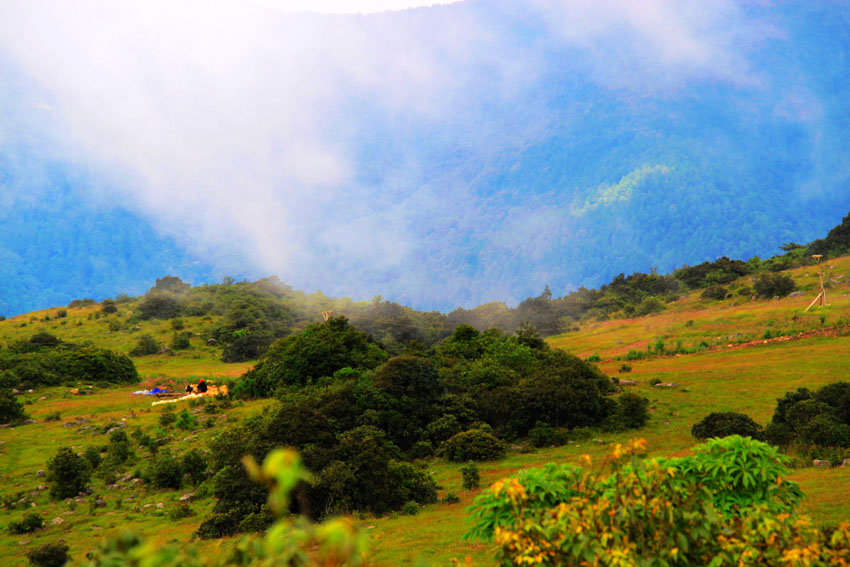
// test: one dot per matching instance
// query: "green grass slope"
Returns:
(736, 369)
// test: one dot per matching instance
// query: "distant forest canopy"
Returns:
(255, 314)
(599, 162)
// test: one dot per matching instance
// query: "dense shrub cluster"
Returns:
(357, 415)
(714, 292)
(318, 351)
(473, 445)
(721, 271)
(771, 285)
(11, 410)
(146, 344)
(292, 540)
(167, 472)
(812, 418)
(729, 504)
(724, 424)
(68, 474)
(29, 523)
(44, 360)
(49, 555)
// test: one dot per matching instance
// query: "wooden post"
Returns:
(822, 295)
(817, 258)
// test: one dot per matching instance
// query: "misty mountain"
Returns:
(443, 156)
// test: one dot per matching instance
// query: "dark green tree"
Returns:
(724, 424)
(67, 473)
(11, 410)
(318, 351)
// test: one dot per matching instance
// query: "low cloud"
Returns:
(346, 153)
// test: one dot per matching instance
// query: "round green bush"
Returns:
(724, 424)
(67, 473)
(11, 410)
(180, 341)
(770, 285)
(544, 435)
(146, 345)
(167, 471)
(49, 555)
(92, 455)
(31, 522)
(471, 477)
(714, 292)
(473, 445)
(633, 410)
(195, 466)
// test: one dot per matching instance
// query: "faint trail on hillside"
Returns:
(831, 332)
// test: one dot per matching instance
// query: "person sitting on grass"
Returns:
(189, 389)
(202, 386)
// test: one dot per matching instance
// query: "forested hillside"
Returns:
(249, 316)
(611, 153)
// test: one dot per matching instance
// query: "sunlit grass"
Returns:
(723, 378)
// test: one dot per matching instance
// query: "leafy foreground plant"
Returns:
(291, 541)
(727, 505)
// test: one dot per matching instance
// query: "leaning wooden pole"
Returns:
(822, 295)
(814, 301)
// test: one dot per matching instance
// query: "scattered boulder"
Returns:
(40, 473)
(628, 382)
(187, 497)
(160, 505)
(100, 503)
(821, 463)
(845, 463)
(211, 341)
(56, 521)
(797, 293)
(666, 385)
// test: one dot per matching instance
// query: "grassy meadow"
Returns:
(736, 369)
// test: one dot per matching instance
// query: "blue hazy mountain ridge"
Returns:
(61, 248)
(575, 179)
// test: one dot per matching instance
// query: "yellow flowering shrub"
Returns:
(658, 512)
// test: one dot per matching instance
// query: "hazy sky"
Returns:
(349, 6)
(321, 148)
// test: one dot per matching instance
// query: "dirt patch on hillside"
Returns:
(831, 332)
